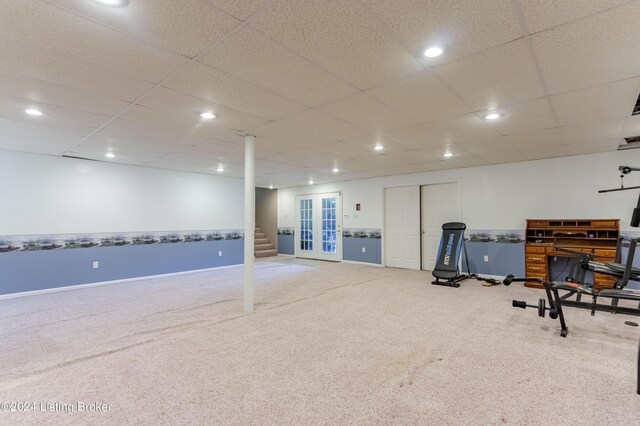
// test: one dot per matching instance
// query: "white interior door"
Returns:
(440, 204)
(402, 227)
(319, 226)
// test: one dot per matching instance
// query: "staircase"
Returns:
(262, 247)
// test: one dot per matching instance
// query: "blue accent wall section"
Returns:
(44, 269)
(285, 244)
(352, 249)
(504, 258)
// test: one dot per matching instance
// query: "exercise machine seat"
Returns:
(620, 268)
(627, 294)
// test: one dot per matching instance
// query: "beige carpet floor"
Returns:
(328, 344)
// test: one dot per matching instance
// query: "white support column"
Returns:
(249, 220)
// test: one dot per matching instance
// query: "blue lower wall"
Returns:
(504, 258)
(37, 270)
(352, 250)
(285, 244)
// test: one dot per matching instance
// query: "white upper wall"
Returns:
(50, 195)
(500, 196)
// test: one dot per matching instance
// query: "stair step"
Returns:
(266, 253)
(258, 230)
(259, 247)
(260, 235)
(261, 241)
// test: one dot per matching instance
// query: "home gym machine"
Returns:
(446, 270)
(575, 285)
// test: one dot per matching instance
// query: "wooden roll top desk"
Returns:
(544, 236)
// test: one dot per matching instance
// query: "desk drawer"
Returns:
(602, 281)
(536, 269)
(534, 250)
(537, 275)
(604, 223)
(608, 253)
(536, 258)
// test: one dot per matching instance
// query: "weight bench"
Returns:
(446, 270)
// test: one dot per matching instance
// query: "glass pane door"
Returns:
(318, 226)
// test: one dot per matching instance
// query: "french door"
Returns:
(319, 226)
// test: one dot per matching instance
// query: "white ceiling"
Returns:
(318, 82)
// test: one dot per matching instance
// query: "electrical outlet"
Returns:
(364, 249)
(486, 258)
(219, 253)
(96, 264)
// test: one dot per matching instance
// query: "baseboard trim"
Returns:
(286, 255)
(112, 282)
(363, 263)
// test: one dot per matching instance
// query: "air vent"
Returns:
(632, 142)
(79, 158)
(636, 109)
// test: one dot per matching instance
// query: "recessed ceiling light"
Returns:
(433, 52)
(33, 111)
(310, 181)
(336, 170)
(378, 147)
(493, 116)
(207, 115)
(113, 3)
(220, 169)
(270, 186)
(110, 155)
(447, 154)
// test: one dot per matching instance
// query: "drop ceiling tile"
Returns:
(123, 148)
(372, 164)
(422, 97)
(240, 9)
(310, 27)
(142, 132)
(204, 82)
(186, 124)
(49, 145)
(593, 147)
(249, 55)
(188, 108)
(462, 129)
(322, 124)
(362, 111)
(343, 151)
(467, 161)
(276, 145)
(595, 50)
(366, 144)
(503, 75)
(543, 14)
(309, 157)
(417, 156)
(50, 129)
(225, 151)
(13, 108)
(461, 27)
(186, 27)
(32, 61)
(592, 132)
(613, 100)
(117, 143)
(524, 117)
(40, 91)
(296, 137)
(416, 137)
(494, 146)
(503, 157)
(76, 38)
(532, 140)
(632, 127)
(542, 153)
